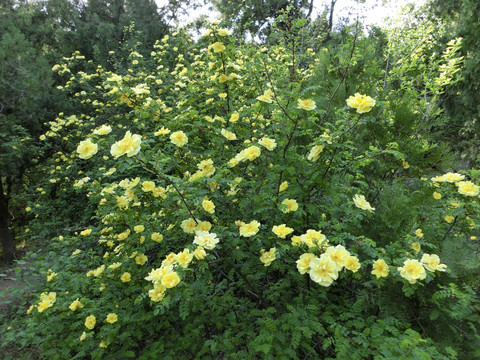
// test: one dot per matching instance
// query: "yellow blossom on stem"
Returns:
(267, 257)
(380, 269)
(362, 203)
(90, 322)
(282, 231)
(362, 103)
(250, 229)
(306, 104)
(412, 270)
(86, 149)
(111, 318)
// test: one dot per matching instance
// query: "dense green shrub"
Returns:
(235, 217)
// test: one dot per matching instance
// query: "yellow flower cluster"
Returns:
(466, 188)
(46, 301)
(312, 238)
(324, 269)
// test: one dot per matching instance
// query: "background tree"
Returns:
(461, 105)
(26, 101)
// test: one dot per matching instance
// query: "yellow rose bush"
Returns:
(234, 226)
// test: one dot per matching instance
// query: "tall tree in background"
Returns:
(462, 105)
(26, 102)
(255, 16)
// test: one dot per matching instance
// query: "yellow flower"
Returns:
(115, 265)
(416, 246)
(157, 293)
(206, 240)
(267, 257)
(449, 219)
(228, 134)
(224, 32)
(138, 228)
(234, 117)
(75, 305)
(126, 277)
(208, 206)
(30, 309)
(103, 130)
(188, 225)
(419, 233)
(338, 254)
(170, 279)
(157, 237)
(250, 153)
(291, 205)
(250, 229)
(200, 253)
(468, 188)
(83, 336)
(307, 104)
(362, 203)
(303, 263)
(438, 179)
(86, 232)
(148, 186)
(282, 231)
(380, 269)
(268, 143)
(51, 275)
(178, 138)
(130, 145)
(218, 47)
(412, 271)
(323, 270)
(362, 103)
(203, 226)
(437, 196)
(160, 191)
(90, 322)
(315, 153)
(141, 259)
(432, 263)
(266, 97)
(184, 258)
(86, 149)
(313, 238)
(352, 264)
(283, 186)
(43, 305)
(111, 318)
(453, 177)
(162, 132)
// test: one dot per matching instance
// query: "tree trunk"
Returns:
(7, 241)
